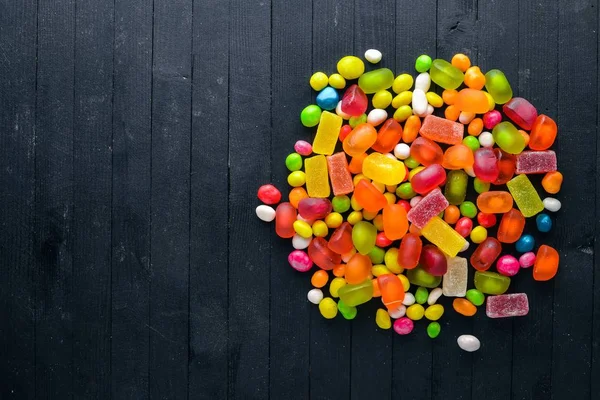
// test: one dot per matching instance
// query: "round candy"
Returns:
(328, 98)
(341, 204)
(475, 297)
(303, 148)
(328, 308)
(293, 162)
(318, 81)
(423, 63)
(478, 234)
(433, 329)
(491, 119)
(486, 139)
(373, 56)
(351, 67)
(468, 343)
(265, 213)
(315, 296)
(415, 312)
(468, 209)
(527, 260)
(403, 326)
(310, 116)
(543, 222)
(337, 81)
(398, 312)
(508, 265)
(269, 194)
(471, 142)
(551, 204)
(525, 244)
(299, 242)
(300, 261)
(434, 312)
(296, 179)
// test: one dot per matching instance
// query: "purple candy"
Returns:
(303, 148)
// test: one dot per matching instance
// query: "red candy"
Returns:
(433, 260)
(486, 165)
(428, 179)
(521, 112)
(313, 208)
(491, 119)
(507, 305)
(429, 206)
(464, 226)
(486, 220)
(426, 151)
(382, 240)
(341, 239)
(322, 255)
(410, 251)
(506, 167)
(536, 162)
(269, 194)
(388, 136)
(345, 131)
(354, 101)
(485, 254)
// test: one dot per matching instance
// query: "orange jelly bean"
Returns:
(392, 291)
(474, 78)
(388, 136)
(426, 151)
(409, 251)
(511, 226)
(494, 202)
(358, 269)
(449, 96)
(297, 194)
(369, 197)
(452, 113)
(319, 278)
(546, 263)
(339, 270)
(411, 129)
(525, 136)
(461, 61)
(471, 100)
(475, 127)
(356, 163)
(543, 133)
(395, 223)
(360, 139)
(464, 307)
(458, 156)
(552, 182)
(451, 214)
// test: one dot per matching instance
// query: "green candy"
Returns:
(341, 203)
(471, 142)
(374, 81)
(293, 162)
(354, 121)
(445, 74)
(468, 209)
(456, 186)
(354, 295)
(411, 163)
(364, 235)
(481, 186)
(421, 295)
(310, 116)
(423, 63)
(433, 329)
(497, 85)
(418, 276)
(508, 138)
(348, 312)
(491, 282)
(377, 255)
(475, 297)
(405, 191)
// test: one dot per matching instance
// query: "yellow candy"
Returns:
(379, 186)
(382, 319)
(320, 229)
(390, 197)
(415, 312)
(337, 81)
(402, 113)
(354, 217)
(317, 178)
(383, 169)
(318, 81)
(328, 308)
(391, 260)
(391, 188)
(402, 99)
(369, 215)
(354, 204)
(327, 133)
(402, 82)
(303, 229)
(379, 269)
(334, 220)
(335, 286)
(491, 102)
(415, 171)
(358, 177)
(351, 67)
(405, 282)
(378, 222)
(296, 178)
(434, 99)
(382, 99)
(478, 234)
(434, 312)
(438, 232)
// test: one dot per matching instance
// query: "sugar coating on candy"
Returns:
(442, 130)
(427, 208)
(536, 162)
(327, 133)
(341, 180)
(455, 279)
(525, 195)
(507, 305)
(317, 180)
(438, 232)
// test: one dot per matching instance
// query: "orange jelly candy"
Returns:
(426, 151)
(552, 182)
(458, 156)
(464, 307)
(369, 197)
(341, 180)
(358, 269)
(474, 78)
(376, 291)
(511, 226)
(388, 137)
(475, 127)
(543, 133)
(395, 222)
(392, 291)
(451, 113)
(442, 130)
(473, 101)
(411, 129)
(546, 263)
(297, 194)
(359, 140)
(449, 96)
(494, 202)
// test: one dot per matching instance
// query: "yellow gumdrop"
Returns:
(328, 308)
(391, 260)
(382, 319)
(334, 220)
(320, 229)
(379, 269)
(335, 285)
(402, 99)
(337, 81)
(434, 99)
(351, 67)
(318, 81)
(434, 312)
(415, 312)
(405, 282)
(390, 197)
(354, 204)
(402, 82)
(354, 217)
(402, 113)
(303, 229)
(382, 99)
(378, 222)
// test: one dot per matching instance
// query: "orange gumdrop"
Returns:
(360, 139)
(369, 197)
(474, 78)
(494, 202)
(475, 127)
(552, 182)
(319, 278)
(452, 113)
(546, 263)
(339, 270)
(358, 269)
(426, 151)
(411, 129)
(388, 136)
(451, 214)
(355, 165)
(395, 222)
(461, 61)
(543, 133)
(464, 307)
(472, 101)
(449, 96)
(297, 194)
(458, 156)
(511, 226)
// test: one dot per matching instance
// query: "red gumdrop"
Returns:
(486, 220)
(486, 164)
(314, 208)
(269, 194)
(428, 179)
(410, 251)
(405, 204)
(491, 119)
(354, 101)
(433, 260)
(345, 131)
(485, 254)
(464, 226)
(521, 112)
(506, 166)
(322, 255)
(382, 240)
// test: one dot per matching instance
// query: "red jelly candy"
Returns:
(486, 220)
(341, 239)
(428, 179)
(354, 101)
(388, 136)
(464, 226)
(433, 260)
(322, 255)
(410, 251)
(314, 208)
(429, 206)
(506, 166)
(486, 165)
(486, 253)
(536, 162)
(269, 194)
(426, 151)
(507, 305)
(521, 112)
(382, 240)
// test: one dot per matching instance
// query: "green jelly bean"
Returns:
(445, 74)
(310, 116)
(405, 191)
(293, 162)
(421, 295)
(354, 295)
(471, 142)
(374, 81)
(497, 85)
(508, 138)
(423, 63)
(411, 163)
(341, 203)
(433, 329)
(418, 276)
(475, 297)
(354, 121)
(491, 282)
(348, 312)
(377, 255)
(456, 186)
(481, 186)
(364, 235)
(468, 209)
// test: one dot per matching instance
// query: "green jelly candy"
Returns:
(508, 138)
(354, 295)
(405, 191)
(411, 163)
(354, 121)
(310, 116)
(475, 297)
(471, 142)
(445, 74)
(433, 329)
(423, 63)
(348, 312)
(377, 255)
(364, 235)
(421, 295)
(341, 203)
(456, 186)
(468, 209)
(491, 282)
(293, 162)
(418, 276)
(497, 85)
(374, 81)
(481, 186)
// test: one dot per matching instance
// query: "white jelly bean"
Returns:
(409, 299)
(415, 200)
(423, 82)
(468, 343)
(466, 117)
(429, 110)
(552, 204)
(398, 312)
(402, 151)
(434, 295)
(486, 139)
(377, 116)
(390, 155)
(419, 102)
(465, 247)
(300, 243)
(470, 171)
(265, 213)
(338, 111)
(373, 56)
(315, 296)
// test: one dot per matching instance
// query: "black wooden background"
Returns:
(133, 137)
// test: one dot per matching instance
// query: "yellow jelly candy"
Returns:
(415, 312)
(402, 99)
(337, 81)
(382, 319)
(405, 282)
(402, 82)
(320, 229)
(334, 220)
(303, 229)
(434, 312)
(354, 217)
(391, 260)
(335, 286)
(379, 269)
(328, 308)
(382, 99)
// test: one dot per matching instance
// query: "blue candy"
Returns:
(525, 244)
(328, 98)
(543, 222)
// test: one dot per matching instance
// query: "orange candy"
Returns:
(546, 263)
(368, 197)
(360, 139)
(319, 278)
(452, 113)
(461, 61)
(552, 182)
(464, 307)
(376, 291)
(388, 137)
(475, 127)
(297, 194)
(451, 214)
(414, 230)
(511, 226)
(392, 291)
(395, 223)
(543, 133)
(471, 100)
(358, 269)
(426, 151)
(411, 129)
(339, 176)
(339, 270)
(474, 78)
(495, 202)
(525, 136)
(449, 96)
(356, 163)
(458, 156)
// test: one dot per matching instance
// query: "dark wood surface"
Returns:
(133, 137)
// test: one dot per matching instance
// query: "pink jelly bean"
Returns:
(508, 265)
(527, 259)
(403, 326)
(491, 119)
(300, 261)
(415, 200)
(303, 148)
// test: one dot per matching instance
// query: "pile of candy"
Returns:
(392, 227)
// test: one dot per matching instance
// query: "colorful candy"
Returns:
(507, 305)
(442, 130)
(525, 195)
(536, 162)
(546, 263)
(455, 278)
(429, 206)
(442, 235)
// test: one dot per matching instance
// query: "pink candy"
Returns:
(403, 326)
(508, 265)
(527, 259)
(507, 305)
(428, 207)
(491, 119)
(536, 162)
(300, 261)
(521, 112)
(303, 148)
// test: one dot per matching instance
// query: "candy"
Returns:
(475, 297)
(314, 208)
(300, 243)
(368, 197)
(328, 98)
(536, 162)
(421, 295)
(468, 343)
(300, 261)
(319, 279)
(269, 194)
(285, 216)
(337, 81)
(464, 307)
(494, 202)
(507, 305)
(328, 308)
(341, 239)
(392, 291)
(409, 299)
(456, 187)
(455, 279)
(485, 254)
(486, 220)
(491, 282)
(354, 295)
(486, 139)
(525, 195)
(445, 74)
(471, 100)
(423, 63)
(435, 294)
(527, 260)
(373, 81)
(419, 102)
(458, 156)
(399, 312)
(426, 152)
(403, 326)
(360, 139)
(552, 182)
(546, 263)
(363, 236)
(428, 179)
(508, 138)
(354, 101)
(303, 148)
(402, 151)
(508, 265)
(310, 116)
(543, 222)
(409, 251)
(430, 206)
(382, 99)
(315, 296)
(521, 112)
(420, 277)
(433, 330)
(348, 312)
(551, 204)
(415, 312)
(386, 170)
(395, 222)
(358, 269)
(485, 165)
(525, 244)
(441, 234)
(497, 85)
(402, 83)
(302, 228)
(341, 180)
(511, 226)
(543, 133)
(442, 130)
(382, 319)
(491, 119)
(474, 78)
(377, 116)
(433, 261)
(373, 56)
(327, 133)
(506, 166)
(318, 81)
(351, 67)
(265, 213)
(464, 226)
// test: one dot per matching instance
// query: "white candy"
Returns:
(466, 117)
(429, 109)
(397, 313)
(409, 299)
(419, 102)
(402, 151)
(486, 139)
(415, 200)
(423, 82)
(301, 218)
(338, 111)
(434, 295)
(315, 296)
(300, 243)
(465, 247)
(265, 213)
(470, 171)
(390, 155)
(377, 116)
(373, 56)
(468, 343)
(552, 204)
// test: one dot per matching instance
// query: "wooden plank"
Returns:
(291, 67)
(573, 235)
(170, 204)
(132, 140)
(54, 199)
(209, 211)
(249, 167)
(532, 336)
(17, 215)
(595, 367)
(330, 340)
